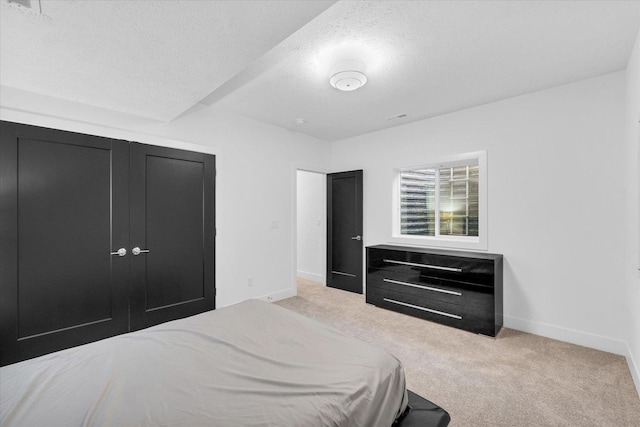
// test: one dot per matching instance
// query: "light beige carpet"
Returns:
(517, 379)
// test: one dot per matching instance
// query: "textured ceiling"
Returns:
(154, 59)
(271, 60)
(431, 58)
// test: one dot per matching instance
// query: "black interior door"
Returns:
(172, 224)
(64, 207)
(344, 230)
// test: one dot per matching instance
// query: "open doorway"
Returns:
(311, 211)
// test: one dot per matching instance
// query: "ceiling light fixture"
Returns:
(348, 75)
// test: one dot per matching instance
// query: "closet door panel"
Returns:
(67, 200)
(64, 224)
(174, 231)
(172, 193)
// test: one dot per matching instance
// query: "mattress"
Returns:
(250, 364)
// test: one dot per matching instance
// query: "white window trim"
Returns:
(480, 242)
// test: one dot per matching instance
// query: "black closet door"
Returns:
(64, 207)
(172, 224)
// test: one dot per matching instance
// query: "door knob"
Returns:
(138, 251)
(356, 238)
(120, 252)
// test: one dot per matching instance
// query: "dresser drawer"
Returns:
(433, 265)
(442, 312)
(472, 296)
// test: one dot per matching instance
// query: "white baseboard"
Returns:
(635, 370)
(572, 336)
(585, 339)
(277, 296)
(311, 276)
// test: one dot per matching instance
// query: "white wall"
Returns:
(555, 178)
(255, 185)
(312, 229)
(632, 219)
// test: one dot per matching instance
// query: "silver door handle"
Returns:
(138, 251)
(356, 238)
(120, 252)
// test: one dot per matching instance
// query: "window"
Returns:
(442, 203)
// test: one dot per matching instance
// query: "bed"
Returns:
(250, 364)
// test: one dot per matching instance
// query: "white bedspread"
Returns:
(251, 364)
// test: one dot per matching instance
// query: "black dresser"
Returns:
(455, 288)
